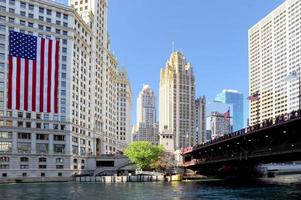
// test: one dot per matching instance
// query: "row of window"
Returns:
(24, 174)
(26, 147)
(41, 9)
(26, 159)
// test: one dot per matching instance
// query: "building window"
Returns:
(41, 10)
(24, 136)
(59, 148)
(28, 115)
(42, 166)
(59, 160)
(48, 12)
(38, 125)
(28, 124)
(5, 147)
(65, 16)
(30, 24)
(30, 15)
(24, 147)
(42, 159)
(75, 149)
(60, 173)
(11, 10)
(59, 166)
(3, 174)
(59, 138)
(4, 159)
(24, 166)
(24, 159)
(5, 135)
(55, 126)
(42, 136)
(46, 126)
(23, 5)
(31, 7)
(24, 174)
(58, 14)
(41, 148)
(43, 174)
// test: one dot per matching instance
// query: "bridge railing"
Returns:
(264, 124)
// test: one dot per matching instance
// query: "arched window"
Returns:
(4, 159)
(24, 159)
(42, 159)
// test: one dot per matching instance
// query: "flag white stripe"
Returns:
(30, 64)
(52, 76)
(14, 80)
(45, 76)
(38, 74)
(22, 83)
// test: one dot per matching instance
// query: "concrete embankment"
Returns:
(120, 179)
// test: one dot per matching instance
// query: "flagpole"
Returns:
(299, 88)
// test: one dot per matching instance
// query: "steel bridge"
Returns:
(272, 141)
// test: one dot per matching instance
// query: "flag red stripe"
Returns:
(49, 76)
(18, 84)
(10, 81)
(56, 82)
(42, 73)
(34, 84)
(26, 84)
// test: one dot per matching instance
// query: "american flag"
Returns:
(33, 73)
(227, 114)
(254, 97)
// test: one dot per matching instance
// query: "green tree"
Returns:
(143, 153)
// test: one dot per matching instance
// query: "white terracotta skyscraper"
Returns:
(177, 100)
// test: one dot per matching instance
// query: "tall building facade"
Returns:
(146, 106)
(235, 98)
(200, 121)
(146, 128)
(177, 100)
(124, 109)
(36, 142)
(274, 53)
(220, 125)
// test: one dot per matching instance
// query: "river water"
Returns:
(148, 191)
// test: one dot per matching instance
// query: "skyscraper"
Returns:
(177, 100)
(200, 121)
(235, 98)
(146, 106)
(146, 127)
(274, 53)
(55, 139)
(219, 124)
(124, 109)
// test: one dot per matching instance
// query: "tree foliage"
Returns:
(143, 153)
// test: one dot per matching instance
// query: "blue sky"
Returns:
(213, 35)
